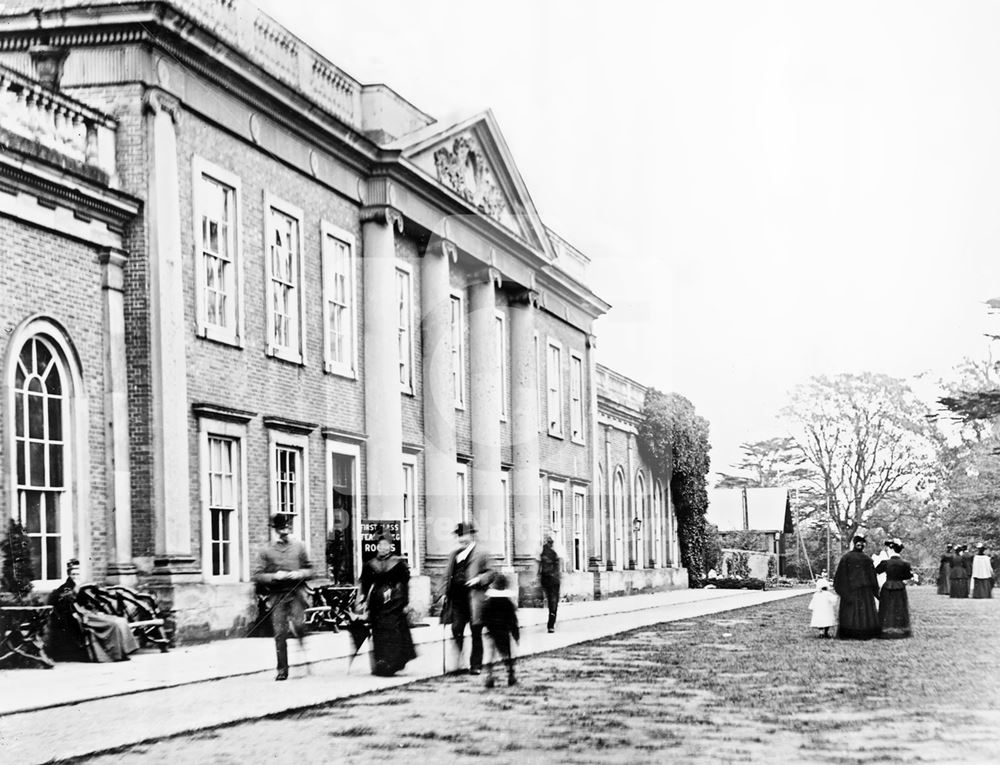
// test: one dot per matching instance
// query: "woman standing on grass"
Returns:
(944, 571)
(857, 587)
(893, 604)
(385, 588)
(959, 574)
(982, 573)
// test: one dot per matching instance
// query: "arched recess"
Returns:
(659, 513)
(641, 534)
(47, 456)
(618, 516)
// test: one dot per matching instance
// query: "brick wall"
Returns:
(47, 275)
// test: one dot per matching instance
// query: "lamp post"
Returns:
(636, 529)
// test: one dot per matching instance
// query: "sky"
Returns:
(767, 190)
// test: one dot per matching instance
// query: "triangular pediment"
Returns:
(471, 160)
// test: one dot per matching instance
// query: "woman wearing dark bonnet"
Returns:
(385, 592)
(80, 634)
(893, 604)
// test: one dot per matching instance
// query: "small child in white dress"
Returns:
(824, 607)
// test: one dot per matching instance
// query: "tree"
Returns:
(968, 495)
(674, 439)
(771, 462)
(868, 438)
(973, 398)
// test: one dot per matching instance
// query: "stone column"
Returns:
(486, 410)
(168, 335)
(524, 427)
(441, 510)
(592, 429)
(121, 569)
(383, 412)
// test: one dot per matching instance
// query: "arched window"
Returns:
(41, 423)
(659, 549)
(642, 530)
(618, 513)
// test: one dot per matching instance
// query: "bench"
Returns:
(140, 609)
(331, 605)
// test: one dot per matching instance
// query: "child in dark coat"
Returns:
(500, 620)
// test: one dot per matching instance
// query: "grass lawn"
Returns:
(754, 685)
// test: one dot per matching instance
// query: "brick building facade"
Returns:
(271, 288)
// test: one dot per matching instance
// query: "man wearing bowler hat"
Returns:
(283, 567)
(465, 581)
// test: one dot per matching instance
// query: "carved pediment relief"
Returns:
(461, 164)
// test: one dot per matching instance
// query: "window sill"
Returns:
(284, 354)
(340, 371)
(215, 335)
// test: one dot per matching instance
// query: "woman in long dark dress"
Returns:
(79, 634)
(857, 587)
(385, 590)
(959, 574)
(944, 571)
(893, 604)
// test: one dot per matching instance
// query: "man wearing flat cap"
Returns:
(283, 567)
(465, 581)
(857, 587)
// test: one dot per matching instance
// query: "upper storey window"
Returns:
(216, 217)
(404, 312)
(285, 328)
(339, 300)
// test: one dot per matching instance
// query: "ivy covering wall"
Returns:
(674, 441)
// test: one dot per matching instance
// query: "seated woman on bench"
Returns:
(80, 634)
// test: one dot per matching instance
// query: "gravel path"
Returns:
(754, 685)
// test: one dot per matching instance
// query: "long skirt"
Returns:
(982, 588)
(111, 637)
(943, 584)
(894, 611)
(959, 588)
(858, 617)
(392, 643)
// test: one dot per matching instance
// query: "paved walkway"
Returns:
(79, 709)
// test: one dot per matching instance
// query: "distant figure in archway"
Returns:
(857, 587)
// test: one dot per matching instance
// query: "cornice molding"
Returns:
(91, 197)
(220, 412)
(335, 434)
(286, 425)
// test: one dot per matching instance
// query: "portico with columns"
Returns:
(332, 307)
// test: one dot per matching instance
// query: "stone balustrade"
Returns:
(620, 389)
(58, 123)
(269, 45)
